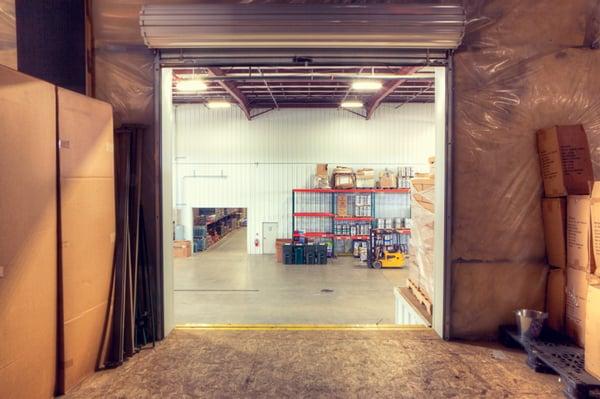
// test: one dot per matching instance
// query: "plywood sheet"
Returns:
(87, 228)
(28, 236)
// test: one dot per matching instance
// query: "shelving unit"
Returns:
(208, 227)
(315, 213)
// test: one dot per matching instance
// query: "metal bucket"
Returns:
(530, 322)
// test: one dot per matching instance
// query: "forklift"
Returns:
(387, 248)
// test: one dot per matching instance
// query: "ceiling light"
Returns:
(218, 104)
(366, 85)
(351, 104)
(191, 85)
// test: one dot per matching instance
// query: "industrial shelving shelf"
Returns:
(321, 206)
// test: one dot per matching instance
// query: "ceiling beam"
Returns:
(232, 89)
(388, 88)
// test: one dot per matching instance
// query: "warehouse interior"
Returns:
(261, 150)
(116, 176)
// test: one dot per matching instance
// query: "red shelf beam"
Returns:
(401, 231)
(355, 219)
(314, 234)
(353, 190)
(359, 237)
(314, 214)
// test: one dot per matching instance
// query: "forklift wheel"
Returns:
(377, 264)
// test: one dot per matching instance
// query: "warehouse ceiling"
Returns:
(304, 86)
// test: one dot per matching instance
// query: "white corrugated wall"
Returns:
(223, 160)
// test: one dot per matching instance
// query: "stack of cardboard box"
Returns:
(387, 179)
(343, 177)
(571, 215)
(321, 179)
(365, 178)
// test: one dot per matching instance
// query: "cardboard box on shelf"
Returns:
(564, 160)
(595, 225)
(556, 299)
(343, 180)
(592, 331)
(321, 170)
(576, 296)
(341, 205)
(182, 249)
(554, 215)
(365, 178)
(579, 252)
(387, 179)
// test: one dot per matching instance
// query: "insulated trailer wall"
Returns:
(222, 160)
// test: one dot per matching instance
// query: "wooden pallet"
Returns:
(420, 296)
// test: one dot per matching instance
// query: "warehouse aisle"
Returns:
(226, 285)
(328, 364)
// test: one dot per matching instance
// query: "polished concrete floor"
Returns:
(226, 285)
(320, 364)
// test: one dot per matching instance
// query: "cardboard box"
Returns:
(592, 331)
(279, 243)
(87, 198)
(341, 205)
(28, 236)
(565, 160)
(576, 296)
(579, 250)
(554, 215)
(182, 249)
(556, 299)
(423, 184)
(387, 179)
(595, 225)
(321, 170)
(365, 178)
(343, 180)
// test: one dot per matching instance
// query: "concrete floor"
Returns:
(320, 364)
(226, 285)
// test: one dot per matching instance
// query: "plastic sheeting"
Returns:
(8, 34)
(421, 241)
(523, 66)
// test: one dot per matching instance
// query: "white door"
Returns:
(269, 236)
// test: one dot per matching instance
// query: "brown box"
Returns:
(387, 179)
(365, 178)
(576, 294)
(321, 170)
(279, 248)
(422, 184)
(86, 199)
(28, 236)
(592, 331)
(595, 225)
(554, 214)
(341, 205)
(556, 299)
(182, 249)
(565, 160)
(579, 249)
(343, 180)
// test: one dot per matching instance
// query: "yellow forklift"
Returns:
(387, 248)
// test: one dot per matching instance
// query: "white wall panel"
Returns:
(223, 160)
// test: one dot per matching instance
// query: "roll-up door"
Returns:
(412, 33)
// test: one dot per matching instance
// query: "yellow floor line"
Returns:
(302, 327)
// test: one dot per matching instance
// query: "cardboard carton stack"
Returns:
(343, 177)
(387, 179)
(321, 179)
(365, 178)
(571, 216)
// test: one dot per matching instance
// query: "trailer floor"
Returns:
(339, 363)
(226, 285)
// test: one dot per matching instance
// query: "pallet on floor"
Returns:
(420, 296)
(555, 353)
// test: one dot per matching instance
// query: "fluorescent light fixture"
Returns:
(351, 104)
(366, 85)
(218, 104)
(191, 85)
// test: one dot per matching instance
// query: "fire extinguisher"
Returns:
(256, 242)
